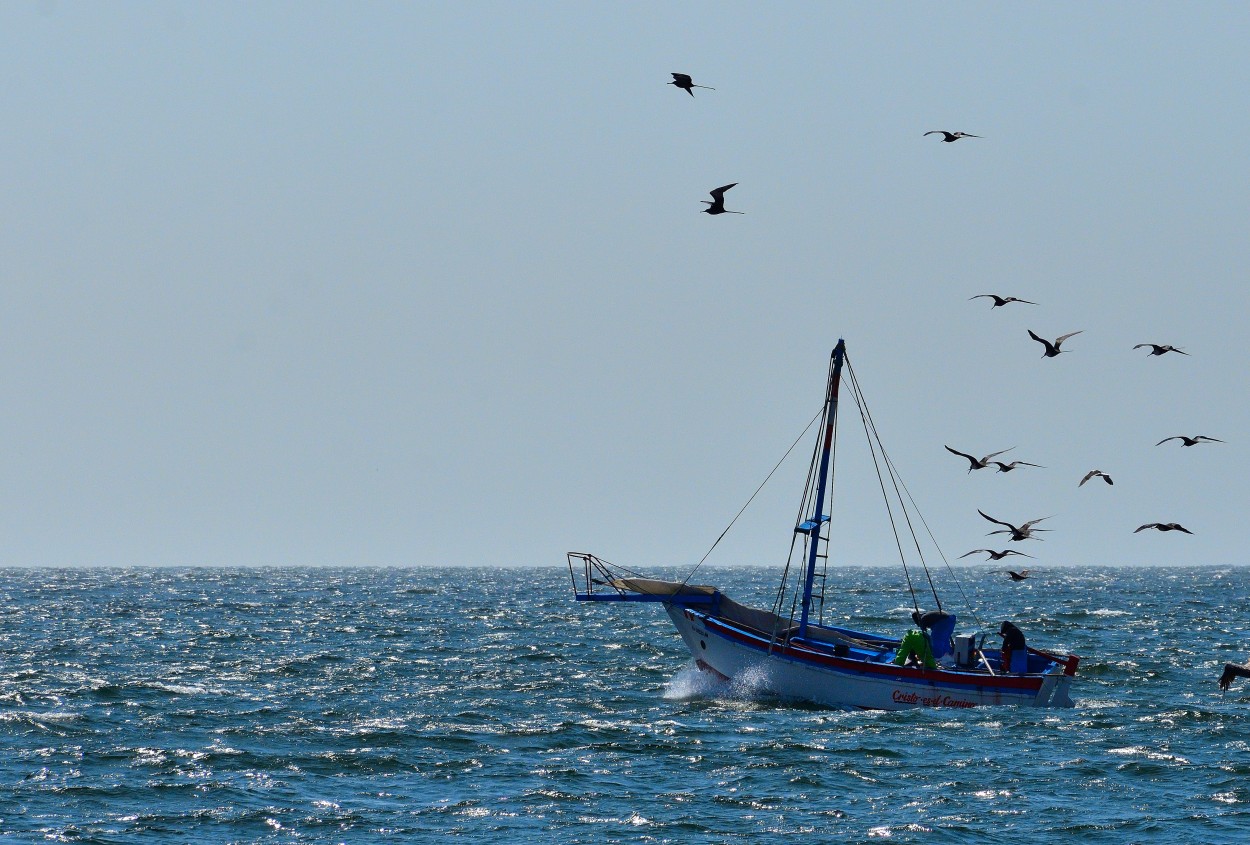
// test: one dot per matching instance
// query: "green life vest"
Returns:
(915, 643)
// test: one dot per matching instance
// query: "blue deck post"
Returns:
(831, 412)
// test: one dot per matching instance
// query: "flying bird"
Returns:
(977, 463)
(1164, 526)
(1160, 349)
(1052, 349)
(685, 83)
(950, 137)
(1190, 441)
(1231, 671)
(993, 555)
(1000, 300)
(1096, 473)
(1002, 467)
(1020, 532)
(718, 207)
(1018, 576)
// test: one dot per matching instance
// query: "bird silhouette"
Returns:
(977, 463)
(1190, 441)
(1163, 526)
(950, 137)
(993, 555)
(718, 207)
(1160, 349)
(1018, 576)
(1002, 467)
(1000, 300)
(1020, 532)
(685, 83)
(1096, 473)
(1052, 349)
(1231, 671)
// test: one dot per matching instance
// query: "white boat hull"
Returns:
(810, 674)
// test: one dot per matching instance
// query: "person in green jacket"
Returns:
(915, 646)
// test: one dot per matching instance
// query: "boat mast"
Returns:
(813, 525)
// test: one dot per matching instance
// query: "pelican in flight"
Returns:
(950, 137)
(1018, 576)
(999, 301)
(1096, 473)
(1231, 671)
(718, 207)
(1160, 349)
(1017, 532)
(685, 83)
(1002, 467)
(1190, 441)
(1163, 526)
(993, 555)
(1052, 349)
(977, 463)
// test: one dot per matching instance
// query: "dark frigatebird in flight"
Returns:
(1052, 349)
(999, 301)
(685, 83)
(950, 137)
(718, 207)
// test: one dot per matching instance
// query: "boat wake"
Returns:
(691, 682)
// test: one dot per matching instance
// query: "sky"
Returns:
(408, 284)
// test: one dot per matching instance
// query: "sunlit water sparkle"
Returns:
(383, 705)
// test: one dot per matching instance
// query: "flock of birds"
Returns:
(1027, 530)
(1050, 349)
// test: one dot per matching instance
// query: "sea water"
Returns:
(426, 705)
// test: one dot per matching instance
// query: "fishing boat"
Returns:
(789, 652)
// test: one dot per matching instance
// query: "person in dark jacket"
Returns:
(1015, 654)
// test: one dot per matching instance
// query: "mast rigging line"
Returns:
(875, 436)
(897, 481)
(796, 442)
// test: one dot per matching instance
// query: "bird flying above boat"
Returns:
(1163, 526)
(977, 463)
(1002, 467)
(1190, 441)
(685, 83)
(1021, 532)
(1018, 576)
(1096, 473)
(993, 555)
(950, 137)
(1160, 349)
(1000, 300)
(718, 207)
(1231, 671)
(1052, 349)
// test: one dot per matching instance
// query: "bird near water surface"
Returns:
(718, 207)
(1000, 301)
(1160, 349)
(950, 137)
(1022, 575)
(993, 555)
(685, 83)
(977, 463)
(1233, 671)
(1052, 349)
